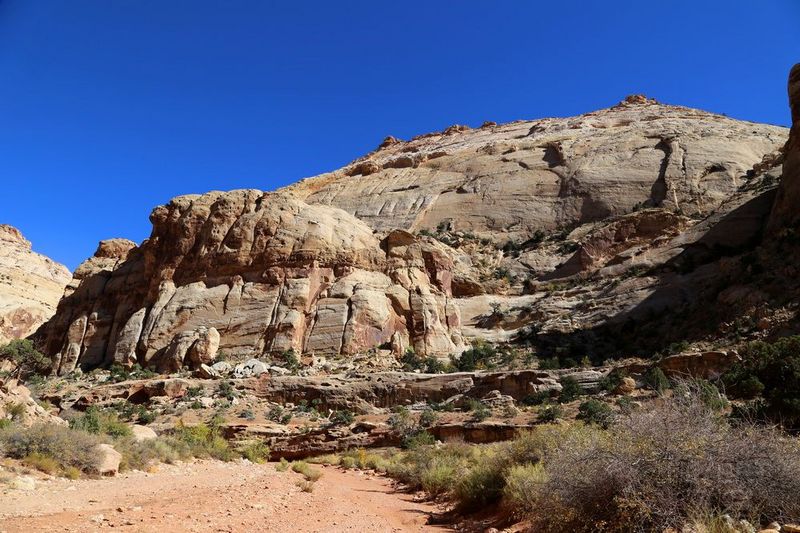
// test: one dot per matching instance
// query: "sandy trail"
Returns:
(215, 496)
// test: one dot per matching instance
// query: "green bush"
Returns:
(143, 454)
(100, 422)
(203, 440)
(570, 390)
(480, 356)
(536, 398)
(596, 412)
(255, 452)
(310, 473)
(612, 380)
(550, 413)
(25, 357)
(523, 484)
(656, 379)
(342, 418)
(770, 371)
(479, 410)
(69, 447)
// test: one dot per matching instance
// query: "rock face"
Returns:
(30, 286)
(566, 225)
(506, 182)
(786, 212)
(250, 273)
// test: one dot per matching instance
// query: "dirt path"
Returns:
(214, 496)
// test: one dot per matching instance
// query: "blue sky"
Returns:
(111, 107)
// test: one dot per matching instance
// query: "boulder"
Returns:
(223, 367)
(142, 433)
(108, 460)
(626, 386)
(250, 368)
(207, 372)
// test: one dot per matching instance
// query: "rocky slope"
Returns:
(508, 181)
(30, 286)
(566, 225)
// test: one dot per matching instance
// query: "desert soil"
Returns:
(215, 496)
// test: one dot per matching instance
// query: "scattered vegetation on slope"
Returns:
(676, 462)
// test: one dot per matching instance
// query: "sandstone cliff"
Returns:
(251, 273)
(507, 181)
(539, 231)
(30, 286)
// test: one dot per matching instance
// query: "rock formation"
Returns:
(531, 231)
(509, 181)
(786, 212)
(252, 273)
(30, 286)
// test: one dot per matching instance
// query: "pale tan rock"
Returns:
(252, 273)
(108, 460)
(142, 433)
(626, 386)
(16, 400)
(507, 181)
(30, 286)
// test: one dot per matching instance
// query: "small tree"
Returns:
(570, 389)
(25, 357)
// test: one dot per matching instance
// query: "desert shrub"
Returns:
(143, 454)
(536, 398)
(656, 379)
(255, 452)
(428, 417)
(43, 463)
(291, 361)
(69, 447)
(551, 363)
(596, 412)
(227, 390)
(310, 473)
(25, 357)
(15, 410)
(612, 380)
(523, 483)
(275, 413)
(203, 440)
(772, 372)
(570, 390)
(480, 356)
(440, 476)
(483, 483)
(550, 413)
(342, 418)
(703, 390)
(119, 373)
(347, 462)
(479, 410)
(305, 485)
(194, 392)
(656, 467)
(410, 430)
(282, 466)
(418, 438)
(100, 422)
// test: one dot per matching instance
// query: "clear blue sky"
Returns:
(111, 107)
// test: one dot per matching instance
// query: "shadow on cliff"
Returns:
(685, 306)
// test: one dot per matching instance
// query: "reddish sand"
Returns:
(215, 496)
